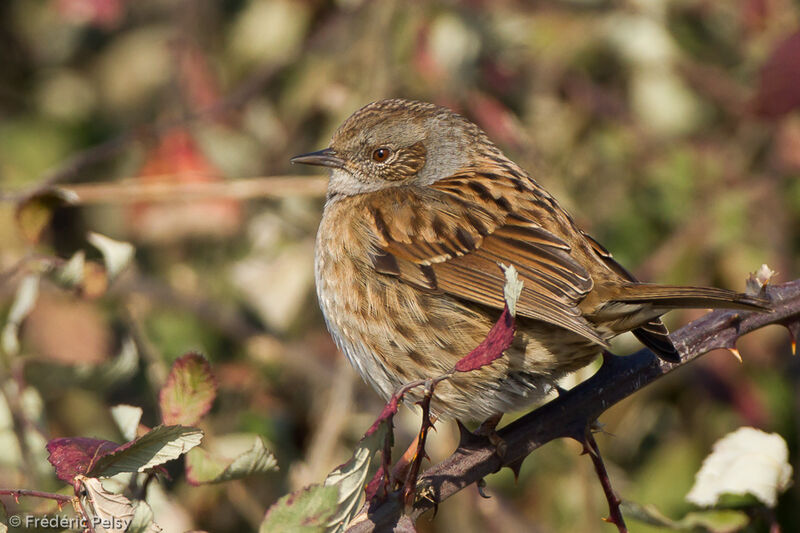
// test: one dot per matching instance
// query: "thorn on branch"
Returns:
(794, 333)
(515, 467)
(481, 485)
(735, 353)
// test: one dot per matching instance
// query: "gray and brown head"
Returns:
(397, 142)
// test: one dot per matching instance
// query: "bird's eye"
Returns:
(381, 154)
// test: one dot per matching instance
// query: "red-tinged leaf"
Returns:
(495, 118)
(177, 158)
(779, 87)
(199, 84)
(423, 60)
(189, 391)
(754, 14)
(389, 410)
(377, 481)
(502, 79)
(73, 456)
(100, 13)
(496, 342)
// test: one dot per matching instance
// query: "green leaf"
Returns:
(204, 467)
(189, 391)
(307, 510)
(142, 521)
(159, 445)
(351, 477)
(714, 521)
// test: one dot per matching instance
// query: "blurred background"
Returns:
(670, 130)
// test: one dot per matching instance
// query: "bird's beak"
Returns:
(322, 158)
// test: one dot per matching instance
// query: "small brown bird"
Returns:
(421, 208)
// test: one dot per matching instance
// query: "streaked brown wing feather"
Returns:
(456, 235)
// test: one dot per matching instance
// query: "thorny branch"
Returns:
(572, 412)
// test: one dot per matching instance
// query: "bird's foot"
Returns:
(410, 485)
(488, 430)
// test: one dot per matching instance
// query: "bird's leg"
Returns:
(488, 429)
(410, 487)
(614, 512)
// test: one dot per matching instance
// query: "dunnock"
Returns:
(421, 208)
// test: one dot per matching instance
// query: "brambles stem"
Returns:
(16, 493)
(614, 512)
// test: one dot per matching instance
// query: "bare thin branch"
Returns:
(17, 493)
(132, 190)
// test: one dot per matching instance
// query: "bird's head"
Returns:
(396, 142)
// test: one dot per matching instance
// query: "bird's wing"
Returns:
(450, 238)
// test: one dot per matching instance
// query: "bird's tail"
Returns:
(672, 297)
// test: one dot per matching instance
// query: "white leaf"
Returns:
(142, 521)
(116, 254)
(24, 300)
(759, 279)
(71, 273)
(127, 418)
(746, 461)
(109, 511)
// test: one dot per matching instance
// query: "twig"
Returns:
(16, 493)
(133, 190)
(570, 413)
(169, 189)
(87, 519)
(614, 512)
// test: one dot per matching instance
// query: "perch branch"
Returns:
(571, 413)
